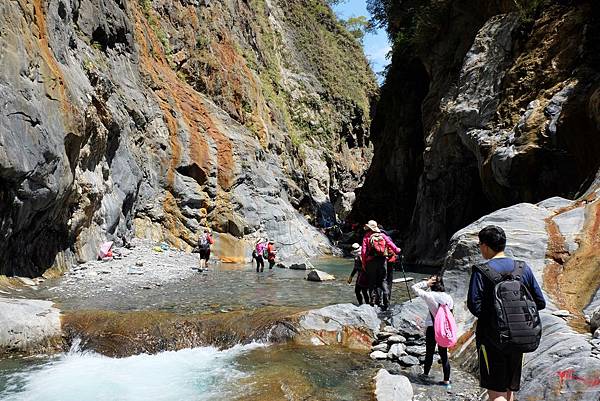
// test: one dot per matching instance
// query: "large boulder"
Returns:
(345, 324)
(29, 326)
(390, 387)
(318, 275)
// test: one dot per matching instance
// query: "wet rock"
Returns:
(392, 387)
(409, 360)
(346, 324)
(318, 275)
(29, 326)
(305, 265)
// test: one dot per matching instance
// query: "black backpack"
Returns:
(515, 321)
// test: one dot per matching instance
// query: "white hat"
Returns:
(372, 225)
(355, 246)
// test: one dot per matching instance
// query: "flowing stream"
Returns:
(256, 371)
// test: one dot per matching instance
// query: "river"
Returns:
(254, 371)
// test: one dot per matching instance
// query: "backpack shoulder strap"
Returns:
(490, 273)
(517, 273)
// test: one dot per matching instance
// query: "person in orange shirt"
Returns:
(271, 252)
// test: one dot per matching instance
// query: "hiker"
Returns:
(271, 252)
(434, 298)
(374, 251)
(204, 242)
(259, 250)
(501, 358)
(390, 262)
(361, 288)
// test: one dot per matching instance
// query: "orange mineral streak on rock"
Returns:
(572, 280)
(55, 84)
(178, 98)
(245, 88)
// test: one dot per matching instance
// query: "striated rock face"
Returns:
(154, 118)
(499, 106)
(539, 234)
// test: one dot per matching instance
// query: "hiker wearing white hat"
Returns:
(376, 247)
(361, 289)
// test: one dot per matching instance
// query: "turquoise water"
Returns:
(229, 287)
(244, 372)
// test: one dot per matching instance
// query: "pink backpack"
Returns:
(444, 327)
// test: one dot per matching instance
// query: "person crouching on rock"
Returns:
(271, 252)
(361, 289)
(204, 242)
(259, 250)
(374, 252)
(434, 298)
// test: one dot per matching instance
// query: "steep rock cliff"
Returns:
(157, 117)
(486, 104)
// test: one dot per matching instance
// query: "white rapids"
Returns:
(197, 374)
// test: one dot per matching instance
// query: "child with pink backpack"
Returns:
(441, 327)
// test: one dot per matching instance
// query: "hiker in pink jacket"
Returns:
(374, 255)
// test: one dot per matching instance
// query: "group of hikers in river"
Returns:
(264, 249)
(503, 294)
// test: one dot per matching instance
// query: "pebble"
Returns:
(561, 313)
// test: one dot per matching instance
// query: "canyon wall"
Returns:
(485, 104)
(156, 118)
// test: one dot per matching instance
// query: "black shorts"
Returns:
(499, 370)
(205, 253)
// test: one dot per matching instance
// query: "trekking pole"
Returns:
(404, 274)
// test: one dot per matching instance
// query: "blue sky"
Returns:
(376, 45)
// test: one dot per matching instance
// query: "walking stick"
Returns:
(404, 274)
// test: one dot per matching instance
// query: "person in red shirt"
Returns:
(374, 255)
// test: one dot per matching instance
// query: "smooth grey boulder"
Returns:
(345, 324)
(561, 348)
(29, 326)
(318, 275)
(390, 387)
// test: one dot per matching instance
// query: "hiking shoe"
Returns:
(447, 386)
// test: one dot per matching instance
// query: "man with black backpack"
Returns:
(505, 297)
